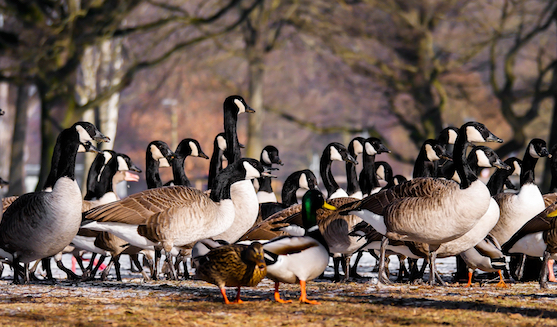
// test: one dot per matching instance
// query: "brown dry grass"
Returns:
(195, 303)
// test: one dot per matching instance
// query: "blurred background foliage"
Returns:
(316, 71)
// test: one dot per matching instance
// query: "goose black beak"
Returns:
(2, 112)
(249, 109)
(203, 155)
(268, 174)
(383, 149)
(241, 145)
(91, 148)
(3, 182)
(350, 159)
(135, 168)
(99, 137)
(545, 153)
(493, 138)
(501, 165)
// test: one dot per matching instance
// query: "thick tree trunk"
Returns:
(17, 160)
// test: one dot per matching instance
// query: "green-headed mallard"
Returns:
(233, 265)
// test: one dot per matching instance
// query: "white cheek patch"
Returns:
(335, 155)
(107, 156)
(381, 172)
(430, 153)
(483, 161)
(240, 105)
(265, 157)
(256, 185)
(517, 169)
(303, 182)
(156, 153)
(221, 143)
(163, 163)
(452, 136)
(194, 149)
(83, 135)
(358, 148)
(473, 135)
(456, 178)
(251, 172)
(370, 150)
(122, 164)
(81, 148)
(533, 152)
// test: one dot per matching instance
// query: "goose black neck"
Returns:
(220, 190)
(352, 178)
(66, 146)
(496, 183)
(553, 166)
(368, 177)
(423, 167)
(326, 174)
(103, 183)
(265, 184)
(465, 173)
(179, 173)
(93, 175)
(289, 188)
(215, 165)
(152, 174)
(232, 152)
(528, 166)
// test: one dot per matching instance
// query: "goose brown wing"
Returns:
(490, 247)
(137, 208)
(268, 228)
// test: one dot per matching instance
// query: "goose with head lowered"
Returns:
(418, 210)
(333, 152)
(269, 157)
(174, 216)
(40, 224)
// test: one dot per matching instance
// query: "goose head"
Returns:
(356, 146)
(88, 132)
(337, 152)
(433, 150)
(485, 157)
(3, 182)
(537, 148)
(237, 105)
(477, 132)
(515, 164)
(374, 146)
(383, 170)
(307, 180)
(190, 147)
(270, 156)
(160, 152)
(448, 136)
(126, 169)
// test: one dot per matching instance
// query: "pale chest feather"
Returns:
(339, 193)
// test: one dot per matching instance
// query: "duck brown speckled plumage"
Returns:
(233, 265)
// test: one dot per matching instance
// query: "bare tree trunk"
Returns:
(17, 160)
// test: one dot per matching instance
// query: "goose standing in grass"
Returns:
(174, 216)
(369, 183)
(333, 152)
(517, 209)
(269, 156)
(187, 147)
(234, 265)
(418, 209)
(40, 224)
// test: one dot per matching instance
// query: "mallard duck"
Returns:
(293, 259)
(233, 265)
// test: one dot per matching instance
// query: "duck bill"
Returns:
(328, 206)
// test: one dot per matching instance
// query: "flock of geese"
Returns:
(236, 232)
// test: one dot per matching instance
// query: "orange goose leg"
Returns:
(470, 274)
(223, 292)
(502, 281)
(551, 276)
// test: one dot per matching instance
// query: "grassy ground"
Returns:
(195, 303)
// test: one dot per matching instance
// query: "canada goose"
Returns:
(517, 209)
(158, 155)
(368, 179)
(186, 147)
(355, 148)
(269, 156)
(217, 158)
(232, 265)
(40, 224)
(417, 210)
(486, 256)
(298, 259)
(446, 138)
(384, 172)
(232, 107)
(500, 177)
(426, 161)
(333, 152)
(301, 179)
(174, 216)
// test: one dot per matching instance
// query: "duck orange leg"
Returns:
(502, 281)
(303, 295)
(277, 295)
(223, 292)
(238, 297)
(551, 276)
